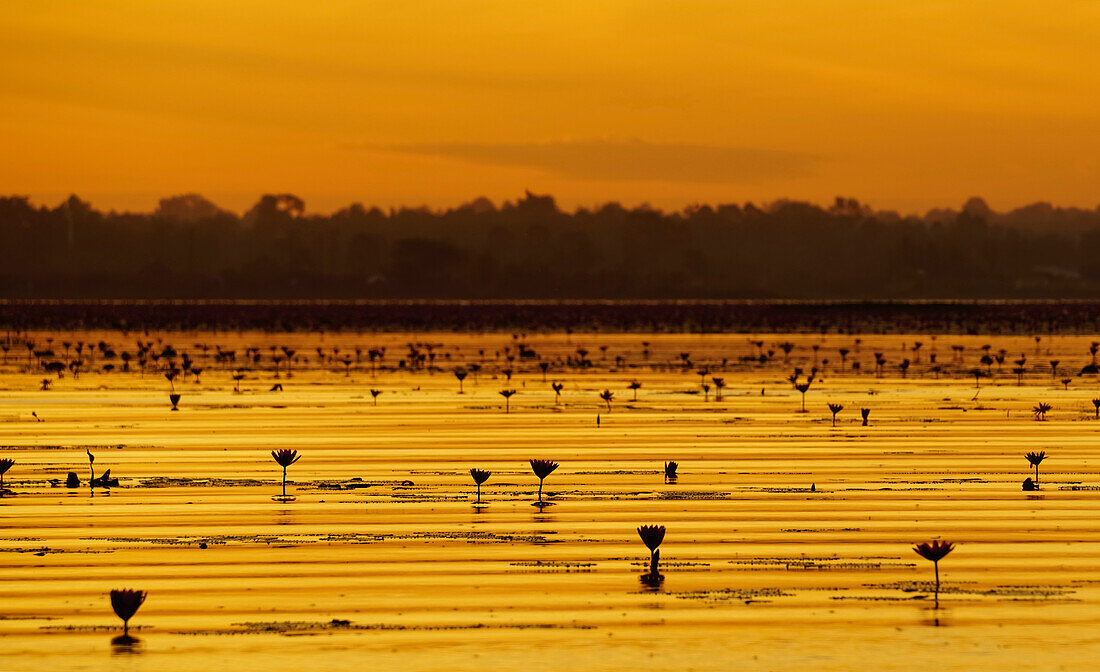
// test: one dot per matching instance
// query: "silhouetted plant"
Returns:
(607, 396)
(557, 387)
(461, 374)
(786, 348)
(1066, 382)
(634, 385)
(670, 471)
(835, 408)
(706, 392)
(719, 385)
(507, 394)
(652, 536)
(1096, 406)
(480, 477)
(542, 469)
(5, 464)
(935, 551)
(865, 412)
(1035, 459)
(988, 362)
(978, 375)
(125, 603)
(175, 399)
(802, 388)
(1040, 410)
(285, 458)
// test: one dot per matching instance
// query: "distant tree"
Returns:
(189, 208)
(275, 208)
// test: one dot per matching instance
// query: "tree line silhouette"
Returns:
(531, 249)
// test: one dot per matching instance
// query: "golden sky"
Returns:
(902, 104)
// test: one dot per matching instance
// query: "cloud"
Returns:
(630, 160)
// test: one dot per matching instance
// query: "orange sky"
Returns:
(902, 104)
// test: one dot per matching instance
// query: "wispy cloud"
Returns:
(629, 160)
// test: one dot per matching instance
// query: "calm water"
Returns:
(382, 559)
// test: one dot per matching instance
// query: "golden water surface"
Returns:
(384, 562)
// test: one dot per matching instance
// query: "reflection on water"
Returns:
(934, 616)
(542, 511)
(652, 582)
(285, 517)
(544, 517)
(125, 645)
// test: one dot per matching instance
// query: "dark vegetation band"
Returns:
(190, 248)
(1022, 318)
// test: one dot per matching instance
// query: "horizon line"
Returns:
(764, 205)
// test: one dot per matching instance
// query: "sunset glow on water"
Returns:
(383, 552)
